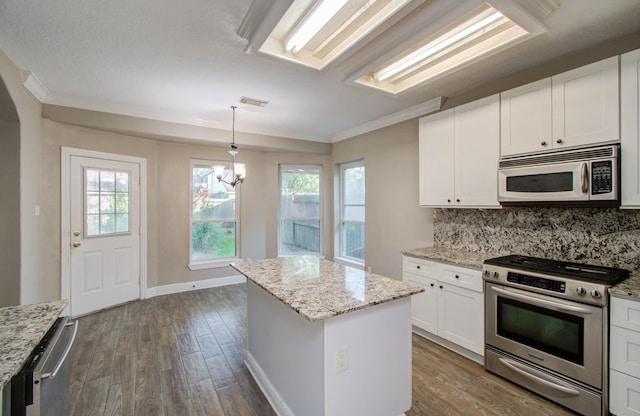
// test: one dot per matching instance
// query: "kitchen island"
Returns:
(326, 339)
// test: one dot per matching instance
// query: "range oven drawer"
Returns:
(563, 391)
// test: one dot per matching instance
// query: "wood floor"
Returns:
(182, 354)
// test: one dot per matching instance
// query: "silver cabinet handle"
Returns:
(522, 371)
(585, 177)
(66, 351)
(541, 302)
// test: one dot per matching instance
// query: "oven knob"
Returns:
(581, 291)
(596, 294)
(496, 274)
(487, 273)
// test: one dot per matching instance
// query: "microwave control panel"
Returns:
(601, 177)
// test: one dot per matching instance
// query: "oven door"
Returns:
(560, 335)
(554, 182)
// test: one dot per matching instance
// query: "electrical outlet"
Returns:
(341, 363)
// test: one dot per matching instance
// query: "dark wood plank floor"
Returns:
(182, 354)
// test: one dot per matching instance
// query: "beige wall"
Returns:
(394, 220)
(9, 212)
(31, 227)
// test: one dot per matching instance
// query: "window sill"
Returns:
(348, 262)
(216, 264)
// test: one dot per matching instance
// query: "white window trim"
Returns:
(321, 206)
(339, 211)
(211, 263)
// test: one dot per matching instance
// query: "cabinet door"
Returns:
(585, 104)
(424, 306)
(461, 317)
(525, 118)
(436, 159)
(477, 149)
(625, 351)
(624, 394)
(630, 126)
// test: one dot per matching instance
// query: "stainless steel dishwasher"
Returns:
(42, 386)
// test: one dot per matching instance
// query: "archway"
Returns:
(10, 200)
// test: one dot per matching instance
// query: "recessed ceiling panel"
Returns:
(315, 32)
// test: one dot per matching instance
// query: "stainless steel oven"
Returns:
(546, 328)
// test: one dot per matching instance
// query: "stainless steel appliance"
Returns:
(588, 176)
(41, 388)
(546, 328)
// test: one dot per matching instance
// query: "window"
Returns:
(214, 215)
(352, 208)
(106, 202)
(299, 210)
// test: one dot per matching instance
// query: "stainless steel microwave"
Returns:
(588, 176)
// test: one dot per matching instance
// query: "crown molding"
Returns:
(36, 87)
(427, 107)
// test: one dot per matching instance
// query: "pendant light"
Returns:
(238, 170)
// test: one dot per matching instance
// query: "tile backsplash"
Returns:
(604, 236)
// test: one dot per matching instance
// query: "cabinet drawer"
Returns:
(421, 267)
(624, 394)
(625, 351)
(462, 277)
(625, 313)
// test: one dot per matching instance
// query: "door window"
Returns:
(106, 204)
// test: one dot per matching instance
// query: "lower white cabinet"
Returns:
(452, 305)
(624, 357)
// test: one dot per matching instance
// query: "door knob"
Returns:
(76, 244)
(76, 233)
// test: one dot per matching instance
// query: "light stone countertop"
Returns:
(320, 289)
(629, 288)
(21, 329)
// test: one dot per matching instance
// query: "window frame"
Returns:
(222, 261)
(339, 215)
(320, 206)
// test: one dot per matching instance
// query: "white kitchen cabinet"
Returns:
(576, 108)
(459, 150)
(452, 306)
(630, 129)
(624, 357)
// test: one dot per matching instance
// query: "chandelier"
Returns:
(238, 170)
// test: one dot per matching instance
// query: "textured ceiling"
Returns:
(181, 60)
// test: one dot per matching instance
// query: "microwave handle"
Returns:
(584, 174)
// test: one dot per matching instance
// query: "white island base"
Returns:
(297, 362)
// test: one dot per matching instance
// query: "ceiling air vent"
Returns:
(253, 101)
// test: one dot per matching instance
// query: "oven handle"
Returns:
(517, 368)
(66, 352)
(541, 302)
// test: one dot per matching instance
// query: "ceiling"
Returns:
(183, 61)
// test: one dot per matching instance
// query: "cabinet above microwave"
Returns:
(576, 108)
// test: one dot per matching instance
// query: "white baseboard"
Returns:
(195, 285)
(273, 397)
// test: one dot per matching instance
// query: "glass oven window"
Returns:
(556, 333)
(546, 182)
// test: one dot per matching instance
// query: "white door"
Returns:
(104, 204)
(436, 159)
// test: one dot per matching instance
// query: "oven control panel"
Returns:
(565, 288)
(539, 282)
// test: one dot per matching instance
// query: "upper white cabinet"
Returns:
(575, 108)
(630, 128)
(459, 151)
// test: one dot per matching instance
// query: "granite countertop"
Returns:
(455, 256)
(461, 257)
(320, 289)
(21, 329)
